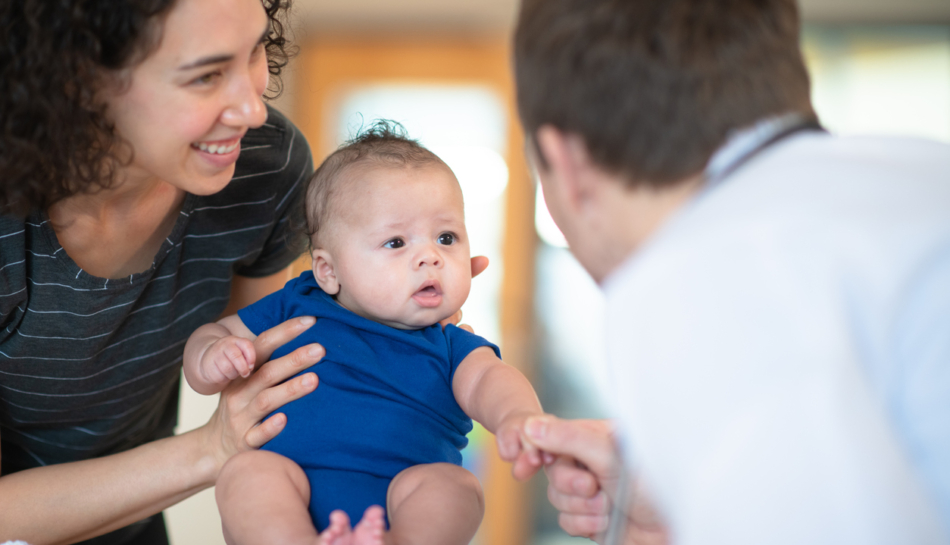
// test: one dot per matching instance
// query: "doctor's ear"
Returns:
(563, 158)
(324, 272)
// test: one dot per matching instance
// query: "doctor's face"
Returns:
(582, 240)
(185, 107)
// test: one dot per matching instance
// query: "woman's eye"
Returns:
(394, 244)
(447, 239)
(258, 51)
(206, 78)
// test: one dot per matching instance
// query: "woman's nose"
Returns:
(245, 106)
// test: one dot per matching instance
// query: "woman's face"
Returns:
(188, 104)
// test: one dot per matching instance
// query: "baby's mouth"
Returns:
(429, 294)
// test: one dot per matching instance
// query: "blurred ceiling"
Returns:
(499, 15)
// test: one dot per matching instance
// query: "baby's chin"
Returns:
(421, 321)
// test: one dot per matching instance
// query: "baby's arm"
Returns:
(499, 397)
(218, 353)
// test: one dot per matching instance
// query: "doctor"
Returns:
(778, 297)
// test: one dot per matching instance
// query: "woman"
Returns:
(143, 185)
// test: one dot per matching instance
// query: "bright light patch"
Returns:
(482, 172)
(544, 223)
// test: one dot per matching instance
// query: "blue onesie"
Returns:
(384, 402)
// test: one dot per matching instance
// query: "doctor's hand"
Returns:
(583, 469)
(479, 264)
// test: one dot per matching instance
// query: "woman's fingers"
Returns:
(274, 372)
(453, 319)
(257, 436)
(479, 264)
(245, 402)
(274, 397)
(279, 335)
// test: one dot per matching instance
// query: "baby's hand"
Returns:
(514, 447)
(227, 359)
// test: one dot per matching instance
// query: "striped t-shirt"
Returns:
(90, 366)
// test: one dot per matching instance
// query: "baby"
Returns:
(397, 389)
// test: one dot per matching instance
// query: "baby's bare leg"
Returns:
(434, 504)
(263, 498)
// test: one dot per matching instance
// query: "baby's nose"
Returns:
(429, 258)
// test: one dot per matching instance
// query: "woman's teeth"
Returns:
(215, 148)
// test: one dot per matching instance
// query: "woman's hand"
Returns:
(236, 425)
(583, 469)
(479, 264)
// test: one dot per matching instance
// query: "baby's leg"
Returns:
(263, 498)
(434, 504)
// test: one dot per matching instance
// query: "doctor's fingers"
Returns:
(589, 526)
(566, 476)
(571, 504)
(590, 442)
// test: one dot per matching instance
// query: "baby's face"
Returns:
(398, 245)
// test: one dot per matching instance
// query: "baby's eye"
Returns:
(447, 239)
(394, 244)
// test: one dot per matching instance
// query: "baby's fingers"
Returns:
(242, 356)
(524, 467)
(509, 444)
(224, 369)
(533, 453)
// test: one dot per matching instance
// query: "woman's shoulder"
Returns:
(274, 148)
(13, 262)
(13, 238)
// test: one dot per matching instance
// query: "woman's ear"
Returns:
(324, 271)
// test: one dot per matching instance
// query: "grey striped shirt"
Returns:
(90, 366)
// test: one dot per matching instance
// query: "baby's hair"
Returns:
(384, 143)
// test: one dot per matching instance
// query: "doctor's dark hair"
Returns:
(654, 87)
(384, 143)
(55, 140)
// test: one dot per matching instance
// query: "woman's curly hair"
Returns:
(55, 140)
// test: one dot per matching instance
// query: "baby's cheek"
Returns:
(461, 286)
(383, 300)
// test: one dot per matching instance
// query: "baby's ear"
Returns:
(324, 272)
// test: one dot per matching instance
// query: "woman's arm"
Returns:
(246, 290)
(70, 502)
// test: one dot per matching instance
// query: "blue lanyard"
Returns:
(743, 145)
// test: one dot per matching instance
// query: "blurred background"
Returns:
(441, 68)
